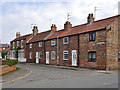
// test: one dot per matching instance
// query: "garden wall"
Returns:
(4, 69)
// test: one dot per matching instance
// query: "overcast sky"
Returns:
(18, 15)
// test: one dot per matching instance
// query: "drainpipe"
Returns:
(78, 51)
(57, 50)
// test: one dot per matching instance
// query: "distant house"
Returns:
(3, 48)
(19, 42)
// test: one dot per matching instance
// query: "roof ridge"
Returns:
(97, 20)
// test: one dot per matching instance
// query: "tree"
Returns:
(3, 54)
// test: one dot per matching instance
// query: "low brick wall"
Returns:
(4, 69)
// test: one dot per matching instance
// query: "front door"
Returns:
(37, 58)
(74, 58)
(47, 57)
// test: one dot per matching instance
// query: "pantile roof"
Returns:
(40, 36)
(21, 38)
(96, 25)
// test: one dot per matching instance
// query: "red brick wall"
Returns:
(35, 48)
(72, 45)
(86, 46)
(112, 46)
(5, 69)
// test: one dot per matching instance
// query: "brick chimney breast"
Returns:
(90, 18)
(53, 27)
(67, 25)
(17, 34)
(35, 30)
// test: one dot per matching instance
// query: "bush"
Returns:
(11, 62)
(3, 54)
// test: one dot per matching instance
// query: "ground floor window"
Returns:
(65, 55)
(119, 56)
(53, 55)
(12, 54)
(21, 53)
(30, 55)
(92, 56)
(40, 55)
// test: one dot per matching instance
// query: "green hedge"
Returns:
(11, 62)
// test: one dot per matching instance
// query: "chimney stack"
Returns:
(35, 30)
(67, 25)
(17, 34)
(53, 27)
(90, 18)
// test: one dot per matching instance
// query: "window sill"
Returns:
(65, 59)
(65, 43)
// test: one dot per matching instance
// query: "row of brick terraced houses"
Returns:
(95, 44)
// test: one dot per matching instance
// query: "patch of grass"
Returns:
(11, 71)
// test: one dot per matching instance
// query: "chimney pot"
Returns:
(17, 34)
(35, 30)
(90, 18)
(67, 25)
(53, 27)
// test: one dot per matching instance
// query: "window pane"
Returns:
(65, 40)
(53, 55)
(93, 36)
(65, 55)
(94, 55)
(119, 57)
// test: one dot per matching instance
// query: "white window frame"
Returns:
(31, 45)
(17, 43)
(30, 55)
(53, 42)
(64, 40)
(21, 43)
(13, 45)
(40, 55)
(64, 55)
(53, 53)
(40, 44)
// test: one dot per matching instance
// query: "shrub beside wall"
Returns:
(11, 62)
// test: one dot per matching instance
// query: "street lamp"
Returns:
(57, 50)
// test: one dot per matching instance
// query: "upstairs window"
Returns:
(30, 55)
(21, 43)
(17, 43)
(119, 56)
(53, 55)
(40, 44)
(13, 45)
(53, 42)
(65, 55)
(92, 56)
(65, 40)
(31, 45)
(92, 36)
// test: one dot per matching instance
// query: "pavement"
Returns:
(34, 75)
(14, 75)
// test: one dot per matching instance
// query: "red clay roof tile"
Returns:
(96, 25)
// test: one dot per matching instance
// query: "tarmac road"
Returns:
(43, 76)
